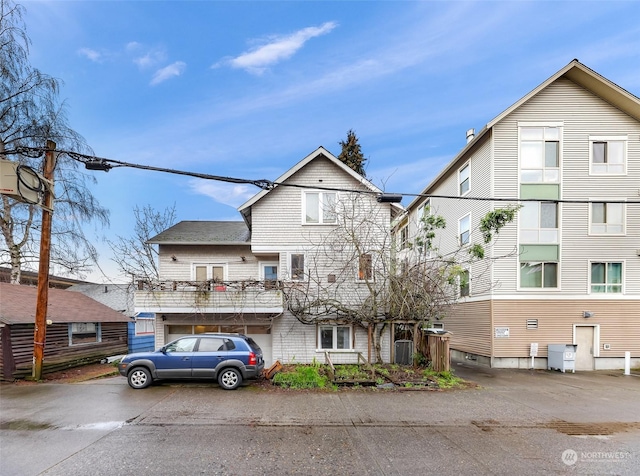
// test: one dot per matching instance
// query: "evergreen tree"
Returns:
(351, 153)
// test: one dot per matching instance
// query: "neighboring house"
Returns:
(79, 330)
(119, 297)
(31, 278)
(221, 276)
(570, 272)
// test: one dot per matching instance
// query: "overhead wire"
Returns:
(92, 162)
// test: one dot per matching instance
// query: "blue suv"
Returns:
(227, 358)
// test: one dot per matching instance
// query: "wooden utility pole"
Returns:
(40, 331)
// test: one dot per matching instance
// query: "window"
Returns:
(84, 333)
(334, 337)
(606, 277)
(269, 274)
(320, 208)
(608, 155)
(424, 210)
(297, 267)
(211, 344)
(365, 269)
(464, 229)
(464, 281)
(182, 345)
(539, 154)
(463, 180)
(607, 218)
(206, 272)
(404, 237)
(539, 222)
(144, 326)
(538, 275)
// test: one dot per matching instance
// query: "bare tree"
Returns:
(134, 255)
(356, 275)
(30, 114)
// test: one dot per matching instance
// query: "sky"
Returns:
(248, 88)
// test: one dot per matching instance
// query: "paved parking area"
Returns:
(515, 422)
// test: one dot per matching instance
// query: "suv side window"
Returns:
(182, 345)
(209, 344)
(230, 344)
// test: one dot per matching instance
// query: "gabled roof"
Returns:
(205, 233)
(576, 72)
(19, 306)
(319, 152)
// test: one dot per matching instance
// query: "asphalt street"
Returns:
(515, 422)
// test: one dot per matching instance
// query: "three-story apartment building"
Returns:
(567, 270)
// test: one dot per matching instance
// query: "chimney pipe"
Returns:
(471, 133)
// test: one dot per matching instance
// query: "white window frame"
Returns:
(593, 139)
(305, 267)
(622, 263)
(605, 223)
(334, 346)
(403, 233)
(209, 267)
(321, 207)
(263, 264)
(542, 234)
(541, 288)
(145, 326)
(544, 168)
(462, 169)
(468, 230)
(467, 272)
(420, 214)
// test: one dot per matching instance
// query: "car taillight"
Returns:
(253, 360)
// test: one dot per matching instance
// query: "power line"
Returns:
(92, 162)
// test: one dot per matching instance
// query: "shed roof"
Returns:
(18, 306)
(205, 233)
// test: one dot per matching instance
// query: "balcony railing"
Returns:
(209, 296)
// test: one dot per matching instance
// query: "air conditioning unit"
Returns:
(21, 183)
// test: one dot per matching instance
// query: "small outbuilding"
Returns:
(80, 330)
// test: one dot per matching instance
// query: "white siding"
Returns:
(582, 114)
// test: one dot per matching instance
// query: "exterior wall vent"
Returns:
(532, 323)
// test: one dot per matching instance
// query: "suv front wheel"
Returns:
(139, 378)
(230, 379)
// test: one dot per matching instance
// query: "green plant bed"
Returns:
(301, 377)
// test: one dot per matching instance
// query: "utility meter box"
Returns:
(23, 184)
(561, 357)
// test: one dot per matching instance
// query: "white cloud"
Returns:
(92, 55)
(168, 72)
(233, 195)
(277, 49)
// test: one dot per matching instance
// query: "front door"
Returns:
(584, 352)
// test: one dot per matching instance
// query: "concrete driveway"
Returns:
(515, 422)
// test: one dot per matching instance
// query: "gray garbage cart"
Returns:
(561, 357)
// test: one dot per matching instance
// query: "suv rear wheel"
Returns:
(229, 379)
(139, 378)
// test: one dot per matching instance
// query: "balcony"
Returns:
(209, 297)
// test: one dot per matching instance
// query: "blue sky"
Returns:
(247, 89)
